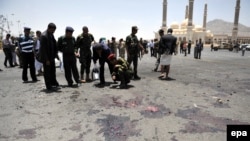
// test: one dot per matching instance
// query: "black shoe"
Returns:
(136, 77)
(5, 64)
(122, 86)
(34, 80)
(100, 84)
(70, 84)
(1, 70)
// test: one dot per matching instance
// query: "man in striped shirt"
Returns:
(27, 52)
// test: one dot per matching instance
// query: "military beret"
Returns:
(27, 28)
(69, 29)
(134, 28)
(111, 57)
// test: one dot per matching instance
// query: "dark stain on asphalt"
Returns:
(93, 112)
(117, 128)
(155, 111)
(4, 137)
(75, 95)
(76, 127)
(204, 122)
(173, 139)
(113, 101)
(27, 133)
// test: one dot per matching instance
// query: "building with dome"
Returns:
(187, 30)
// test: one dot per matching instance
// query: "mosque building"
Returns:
(187, 30)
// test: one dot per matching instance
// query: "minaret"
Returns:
(186, 14)
(190, 21)
(190, 13)
(164, 16)
(205, 18)
(236, 21)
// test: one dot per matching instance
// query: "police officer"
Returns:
(133, 46)
(66, 44)
(83, 42)
(26, 46)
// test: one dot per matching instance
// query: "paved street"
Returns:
(207, 95)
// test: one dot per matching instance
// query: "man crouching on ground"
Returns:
(121, 72)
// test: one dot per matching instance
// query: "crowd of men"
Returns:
(39, 54)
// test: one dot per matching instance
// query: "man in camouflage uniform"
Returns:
(133, 49)
(121, 72)
(83, 42)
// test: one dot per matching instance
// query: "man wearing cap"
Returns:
(133, 49)
(48, 52)
(83, 42)
(27, 52)
(66, 44)
(167, 47)
(121, 71)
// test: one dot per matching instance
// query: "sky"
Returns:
(113, 18)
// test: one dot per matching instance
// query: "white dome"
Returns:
(174, 25)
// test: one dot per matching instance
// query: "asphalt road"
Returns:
(205, 97)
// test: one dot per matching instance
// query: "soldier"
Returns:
(48, 52)
(83, 42)
(132, 47)
(121, 47)
(26, 46)
(168, 45)
(113, 46)
(66, 44)
(121, 72)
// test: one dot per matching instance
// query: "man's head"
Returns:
(161, 32)
(113, 39)
(7, 36)
(134, 29)
(170, 31)
(85, 30)
(51, 28)
(69, 31)
(38, 33)
(112, 59)
(26, 31)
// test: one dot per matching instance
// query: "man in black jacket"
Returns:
(48, 53)
(101, 53)
(168, 45)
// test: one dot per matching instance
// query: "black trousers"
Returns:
(69, 62)
(28, 61)
(8, 56)
(134, 58)
(85, 61)
(199, 53)
(50, 74)
(102, 64)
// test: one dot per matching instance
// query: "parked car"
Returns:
(248, 47)
(223, 45)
